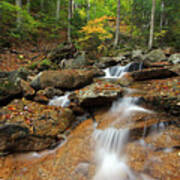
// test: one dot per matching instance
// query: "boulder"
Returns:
(29, 126)
(175, 58)
(157, 73)
(101, 93)
(137, 54)
(104, 62)
(176, 69)
(65, 79)
(9, 88)
(27, 90)
(156, 55)
(79, 62)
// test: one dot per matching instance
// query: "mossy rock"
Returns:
(44, 64)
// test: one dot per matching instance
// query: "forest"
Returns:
(84, 21)
(89, 89)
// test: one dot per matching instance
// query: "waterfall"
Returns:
(110, 156)
(62, 101)
(118, 71)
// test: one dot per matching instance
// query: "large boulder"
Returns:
(156, 55)
(65, 79)
(156, 73)
(175, 58)
(29, 126)
(100, 93)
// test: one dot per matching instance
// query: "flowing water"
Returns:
(62, 101)
(119, 71)
(110, 157)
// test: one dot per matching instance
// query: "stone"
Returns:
(9, 88)
(137, 54)
(175, 58)
(64, 79)
(157, 73)
(30, 126)
(27, 90)
(98, 94)
(156, 55)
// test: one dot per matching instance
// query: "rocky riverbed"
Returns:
(41, 141)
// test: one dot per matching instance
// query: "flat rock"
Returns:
(98, 94)
(156, 73)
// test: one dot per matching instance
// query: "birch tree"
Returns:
(88, 9)
(116, 40)
(69, 21)
(18, 19)
(58, 9)
(152, 24)
(162, 15)
(28, 5)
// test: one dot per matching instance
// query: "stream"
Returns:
(125, 142)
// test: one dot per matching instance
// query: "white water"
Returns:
(62, 101)
(119, 71)
(110, 156)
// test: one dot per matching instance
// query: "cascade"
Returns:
(110, 157)
(118, 71)
(62, 101)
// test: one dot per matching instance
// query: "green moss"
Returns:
(33, 65)
(45, 62)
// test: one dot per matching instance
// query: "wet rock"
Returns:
(28, 126)
(65, 79)
(176, 69)
(27, 90)
(50, 92)
(156, 55)
(98, 94)
(157, 73)
(126, 80)
(110, 61)
(175, 58)
(41, 97)
(162, 94)
(44, 95)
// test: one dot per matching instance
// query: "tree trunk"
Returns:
(152, 24)
(162, 15)
(69, 20)
(88, 9)
(42, 5)
(117, 25)
(58, 9)
(28, 5)
(19, 19)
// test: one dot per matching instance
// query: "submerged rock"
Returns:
(28, 126)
